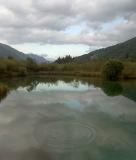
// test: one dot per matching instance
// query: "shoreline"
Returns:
(67, 74)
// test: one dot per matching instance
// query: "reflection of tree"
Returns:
(112, 88)
(32, 86)
(129, 90)
(75, 84)
(31, 82)
(52, 84)
(4, 90)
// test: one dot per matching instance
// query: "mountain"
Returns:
(122, 50)
(37, 58)
(7, 51)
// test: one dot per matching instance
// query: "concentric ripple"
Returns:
(65, 135)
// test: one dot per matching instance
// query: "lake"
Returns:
(50, 118)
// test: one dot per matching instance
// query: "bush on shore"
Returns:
(112, 69)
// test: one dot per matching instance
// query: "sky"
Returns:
(54, 28)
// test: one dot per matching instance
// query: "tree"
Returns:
(22, 71)
(12, 65)
(112, 69)
(63, 60)
(31, 65)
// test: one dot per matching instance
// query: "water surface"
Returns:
(68, 119)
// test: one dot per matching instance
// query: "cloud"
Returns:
(47, 22)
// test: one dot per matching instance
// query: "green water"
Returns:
(67, 119)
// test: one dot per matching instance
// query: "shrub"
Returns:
(3, 91)
(12, 65)
(112, 69)
(67, 68)
(22, 71)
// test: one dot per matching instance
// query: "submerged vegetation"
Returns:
(10, 67)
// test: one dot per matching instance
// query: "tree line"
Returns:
(111, 69)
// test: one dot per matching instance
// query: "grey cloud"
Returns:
(61, 7)
(38, 21)
(53, 37)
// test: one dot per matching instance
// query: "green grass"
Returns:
(129, 70)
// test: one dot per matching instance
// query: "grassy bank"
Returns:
(13, 68)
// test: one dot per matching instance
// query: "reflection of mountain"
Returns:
(130, 91)
(126, 89)
(32, 82)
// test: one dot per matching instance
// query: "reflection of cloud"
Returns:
(24, 112)
(31, 153)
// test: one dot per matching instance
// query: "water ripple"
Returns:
(64, 135)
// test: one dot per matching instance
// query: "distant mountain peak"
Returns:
(37, 58)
